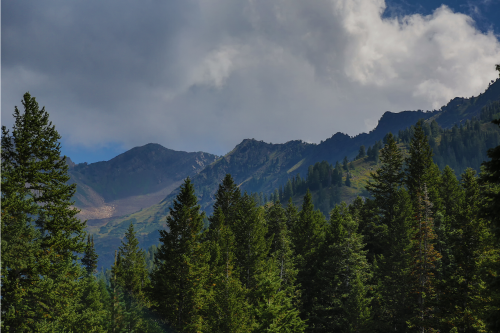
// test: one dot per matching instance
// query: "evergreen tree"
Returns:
(227, 198)
(384, 186)
(251, 246)
(421, 170)
(281, 244)
(41, 236)
(393, 305)
(89, 259)
(132, 274)
(465, 298)
(308, 235)
(342, 283)
(362, 152)
(275, 310)
(348, 180)
(345, 164)
(228, 310)
(292, 215)
(424, 261)
(180, 277)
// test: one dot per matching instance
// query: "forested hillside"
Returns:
(417, 251)
(262, 168)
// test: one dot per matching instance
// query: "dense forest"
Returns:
(419, 253)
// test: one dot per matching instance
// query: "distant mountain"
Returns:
(133, 180)
(258, 166)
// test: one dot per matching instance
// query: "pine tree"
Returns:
(308, 235)
(393, 305)
(228, 310)
(465, 299)
(421, 170)
(275, 309)
(227, 198)
(180, 277)
(424, 261)
(387, 179)
(342, 283)
(281, 244)
(41, 236)
(89, 259)
(251, 245)
(132, 274)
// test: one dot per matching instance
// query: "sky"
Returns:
(202, 75)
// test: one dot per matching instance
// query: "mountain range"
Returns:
(139, 185)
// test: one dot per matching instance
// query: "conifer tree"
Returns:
(342, 300)
(227, 198)
(251, 245)
(421, 170)
(424, 261)
(132, 274)
(384, 186)
(348, 180)
(308, 235)
(393, 305)
(41, 236)
(466, 295)
(89, 259)
(180, 277)
(228, 310)
(281, 245)
(275, 309)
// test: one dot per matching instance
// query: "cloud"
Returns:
(205, 74)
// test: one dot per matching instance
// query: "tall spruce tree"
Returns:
(308, 236)
(132, 273)
(393, 304)
(228, 310)
(41, 236)
(281, 243)
(421, 170)
(465, 299)
(252, 248)
(179, 279)
(424, 262)
(89, 259)
(342, 284)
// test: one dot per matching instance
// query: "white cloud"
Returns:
(203, 75)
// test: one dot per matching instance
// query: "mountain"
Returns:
(257, 166)
(136, 179)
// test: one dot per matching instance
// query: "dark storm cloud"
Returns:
(202, 75)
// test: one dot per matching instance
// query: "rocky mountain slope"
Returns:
(136, 179)
(255, 165)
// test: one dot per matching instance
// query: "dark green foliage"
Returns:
(393, 304)
(131, 271)
(465, 298)
(228, 310)
(362, 152)
(308, 235)
(251, 248)
(89, 259)
(41, 237)
(421, 171)
(342, 280)
(179, 278)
